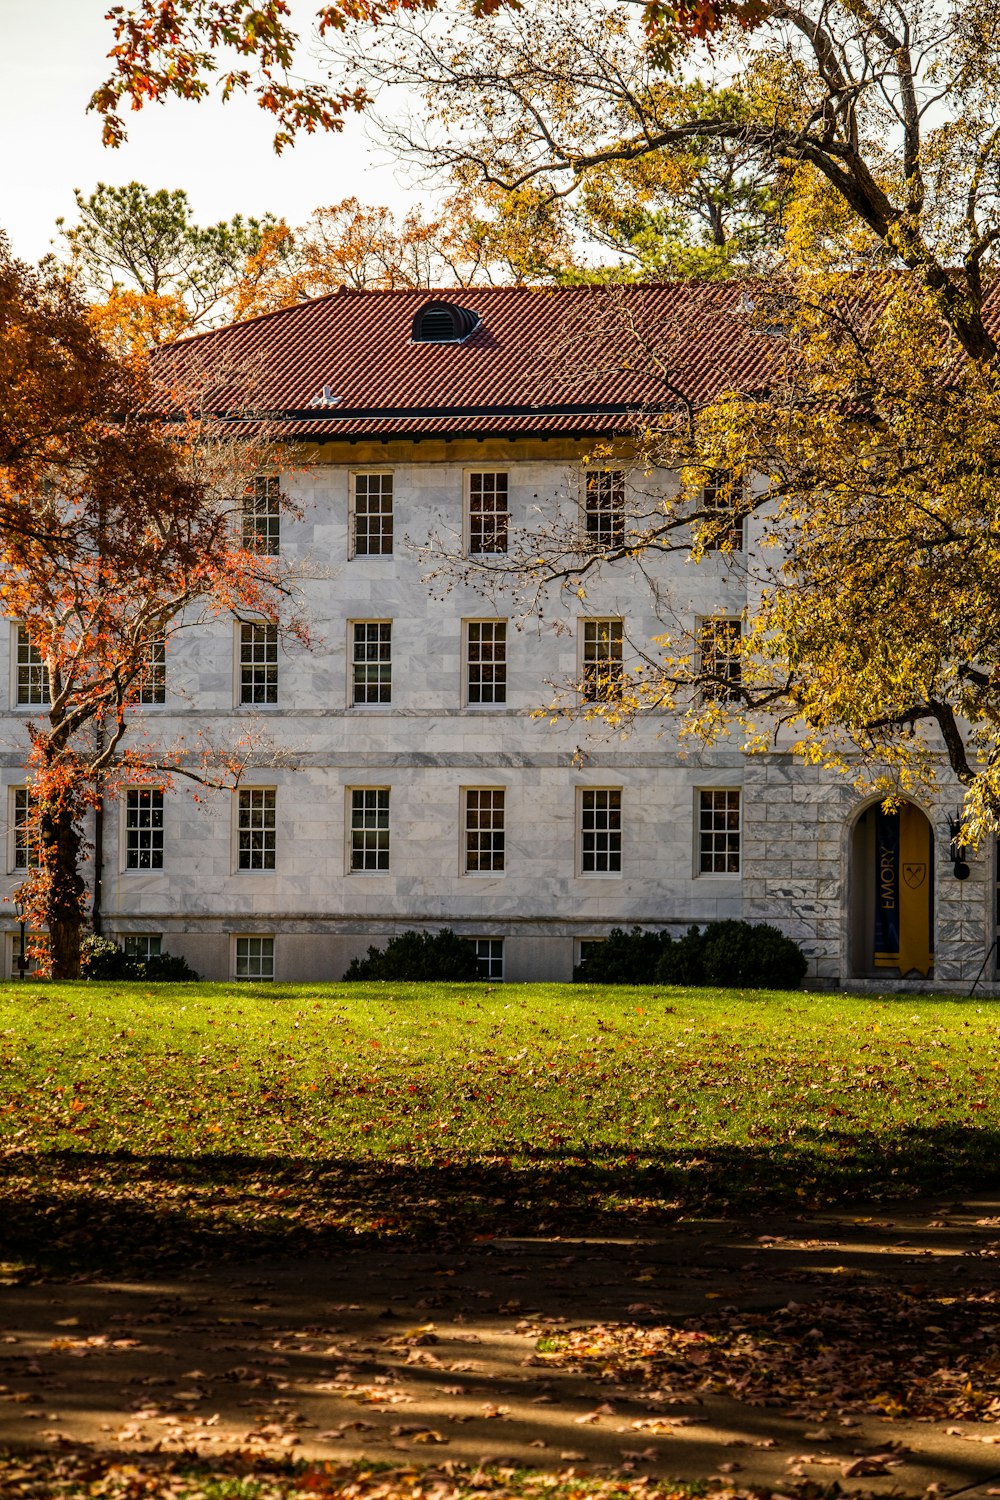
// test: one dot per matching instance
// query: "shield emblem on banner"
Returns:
(914, 875)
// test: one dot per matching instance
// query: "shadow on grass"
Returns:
(119, 1211)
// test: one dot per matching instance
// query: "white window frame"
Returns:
(467, 512)
(712, 692)
(124, 866)
(372, 706)
(253, 937)
(699, 873)
(463, 823)
(266, 488)
(239, 700)
(581, 793)
(349, 830)
(707, 504)
(492, 978)
(14, 948)
(585, 620)
(588, 486)
(147, 939)
(238, 868)
(157, 667)
(467, 701)
(13, 867)
(352, 535)
(17, 626)
(578, 945)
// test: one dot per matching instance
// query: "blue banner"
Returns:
(886, 886)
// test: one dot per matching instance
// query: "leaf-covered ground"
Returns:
(76, 1477)
(143, 1125)
(877, 1351)
(708, 1349)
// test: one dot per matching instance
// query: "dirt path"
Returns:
(394, 1352)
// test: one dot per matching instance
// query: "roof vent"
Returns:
(443, 323)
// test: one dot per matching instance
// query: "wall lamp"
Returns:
(956, 848)
(22, 958)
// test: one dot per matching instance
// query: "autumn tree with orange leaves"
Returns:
(115, 530)
(152, 275)
(491, 239)
(867, 454)
(184, 48)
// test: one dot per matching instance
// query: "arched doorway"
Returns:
(892, 906)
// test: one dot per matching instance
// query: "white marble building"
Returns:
(418, 787)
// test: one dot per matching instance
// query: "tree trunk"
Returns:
(60, 852)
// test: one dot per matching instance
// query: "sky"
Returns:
(52, 57)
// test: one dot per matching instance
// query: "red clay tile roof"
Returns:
(541, 360)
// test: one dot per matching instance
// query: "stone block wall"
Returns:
(429, 745)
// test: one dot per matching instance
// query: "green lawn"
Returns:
(144, 1124)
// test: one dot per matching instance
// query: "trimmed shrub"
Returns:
(102, 959)
(751, 957)
(625, 958)
(419, 955)
(683, 962)
(166, 968)
(737, 954)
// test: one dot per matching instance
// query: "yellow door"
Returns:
(904, 884)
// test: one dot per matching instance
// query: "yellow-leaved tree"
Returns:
(869, 460)
(865, 467)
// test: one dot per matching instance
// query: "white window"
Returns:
(721, 498)
(140, 947)
(604, 508)
(151, 684)
(258, 663)
(371, 679)
(489, 957)
(484, 830)
(144, 829)
(372, 514)
(488, 512)
(262, 516)
(369, 828)
(256, 828)
(31, 940)
(23, 854)
(32, 680)
(602, 659)
(600, 830)
(719, 661)
(584, 949)
(486, 661)
(254, 958)
(719, 832)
